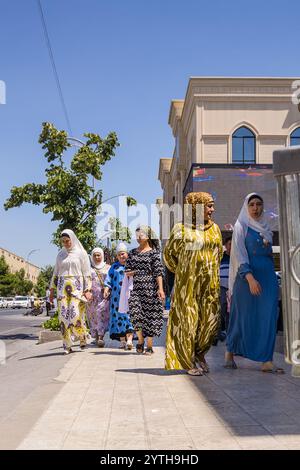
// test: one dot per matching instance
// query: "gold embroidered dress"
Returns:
(194, 255)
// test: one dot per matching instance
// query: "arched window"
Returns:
(295, 137)
(243, 146)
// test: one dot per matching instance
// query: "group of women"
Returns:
(128, 296)
(107, 296)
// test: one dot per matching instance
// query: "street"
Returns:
(18, 331)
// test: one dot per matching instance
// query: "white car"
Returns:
(1, 302)
(7, 302)
(20, 302)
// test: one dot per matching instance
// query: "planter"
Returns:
(45, 336)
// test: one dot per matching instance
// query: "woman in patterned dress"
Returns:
(147, 294)
(98, 308)
(194, 253)
(120, 327)
(72, 279)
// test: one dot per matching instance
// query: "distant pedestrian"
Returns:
(147, 295)
(120, 327)
(48, 303)
(98, 308)
(253, 288)
(32, 301)
(72, 279)
(193, 252)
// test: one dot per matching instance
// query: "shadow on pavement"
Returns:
(156, 371)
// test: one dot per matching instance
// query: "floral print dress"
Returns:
(98, 308)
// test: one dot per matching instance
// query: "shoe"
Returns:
(68, 351)
(149, 352)
(82, 346)
(204, 366)
(195, 372)
(140, 348)
(100, 343)
(222, 336)
(230, 364)
(129, 345)
(274, 370)
(122, 345)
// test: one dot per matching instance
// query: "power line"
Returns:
(54, 66)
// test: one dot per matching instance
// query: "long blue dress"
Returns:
(119, 323)
(253, 319)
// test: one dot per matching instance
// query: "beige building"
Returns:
(225, 131)
(16, 263)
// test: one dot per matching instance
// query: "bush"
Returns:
(52, 324)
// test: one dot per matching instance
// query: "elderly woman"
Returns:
(98, 308)
(120, 327)
(253, 289)
(72, 279)
(194, 252)
(147, 295)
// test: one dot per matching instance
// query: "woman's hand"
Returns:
(106, 292)
(130, 273)
(161, 295)
(88, 295)
(254, 285)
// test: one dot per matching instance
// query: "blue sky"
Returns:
(120, 63)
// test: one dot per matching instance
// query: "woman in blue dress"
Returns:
(120, 327)
(253, 289)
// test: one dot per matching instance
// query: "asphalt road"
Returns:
(17, 331)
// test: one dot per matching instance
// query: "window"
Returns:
(243, 146)
(295, 137)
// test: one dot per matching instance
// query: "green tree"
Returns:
(67, 194)
(43, 281)
(13, 283)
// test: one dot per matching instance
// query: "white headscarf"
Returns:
(238, 254)
(76, 251)
(121, 247)
(97, 265)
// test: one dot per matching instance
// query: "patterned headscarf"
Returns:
(199, 199)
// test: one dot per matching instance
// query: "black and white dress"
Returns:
(145, 306)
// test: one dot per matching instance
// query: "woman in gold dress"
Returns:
(194, 252)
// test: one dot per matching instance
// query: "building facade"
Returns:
(225, 131)
(16, 263)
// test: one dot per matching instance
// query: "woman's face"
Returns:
(255, 208)
(97, 258)
(122, 257)
(141, 237)
(66, 242)
(209, 209)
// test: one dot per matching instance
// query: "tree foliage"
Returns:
(43, 281)
(67, 193)
(13, 283)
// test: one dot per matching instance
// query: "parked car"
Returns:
(20, 302)
(8, 301)
(1, 302)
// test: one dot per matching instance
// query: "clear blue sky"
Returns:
(120, 63)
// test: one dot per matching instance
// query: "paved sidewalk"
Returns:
(112, 399)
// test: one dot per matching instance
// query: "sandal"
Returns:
(140, 348)
(195, 372)
(68, 351)
(100, 343)
(230, 364)
(122, 345)
(204, 366)
(149, 352)
(274, 370)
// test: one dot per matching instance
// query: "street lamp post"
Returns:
(74, 142)
(27, 259)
